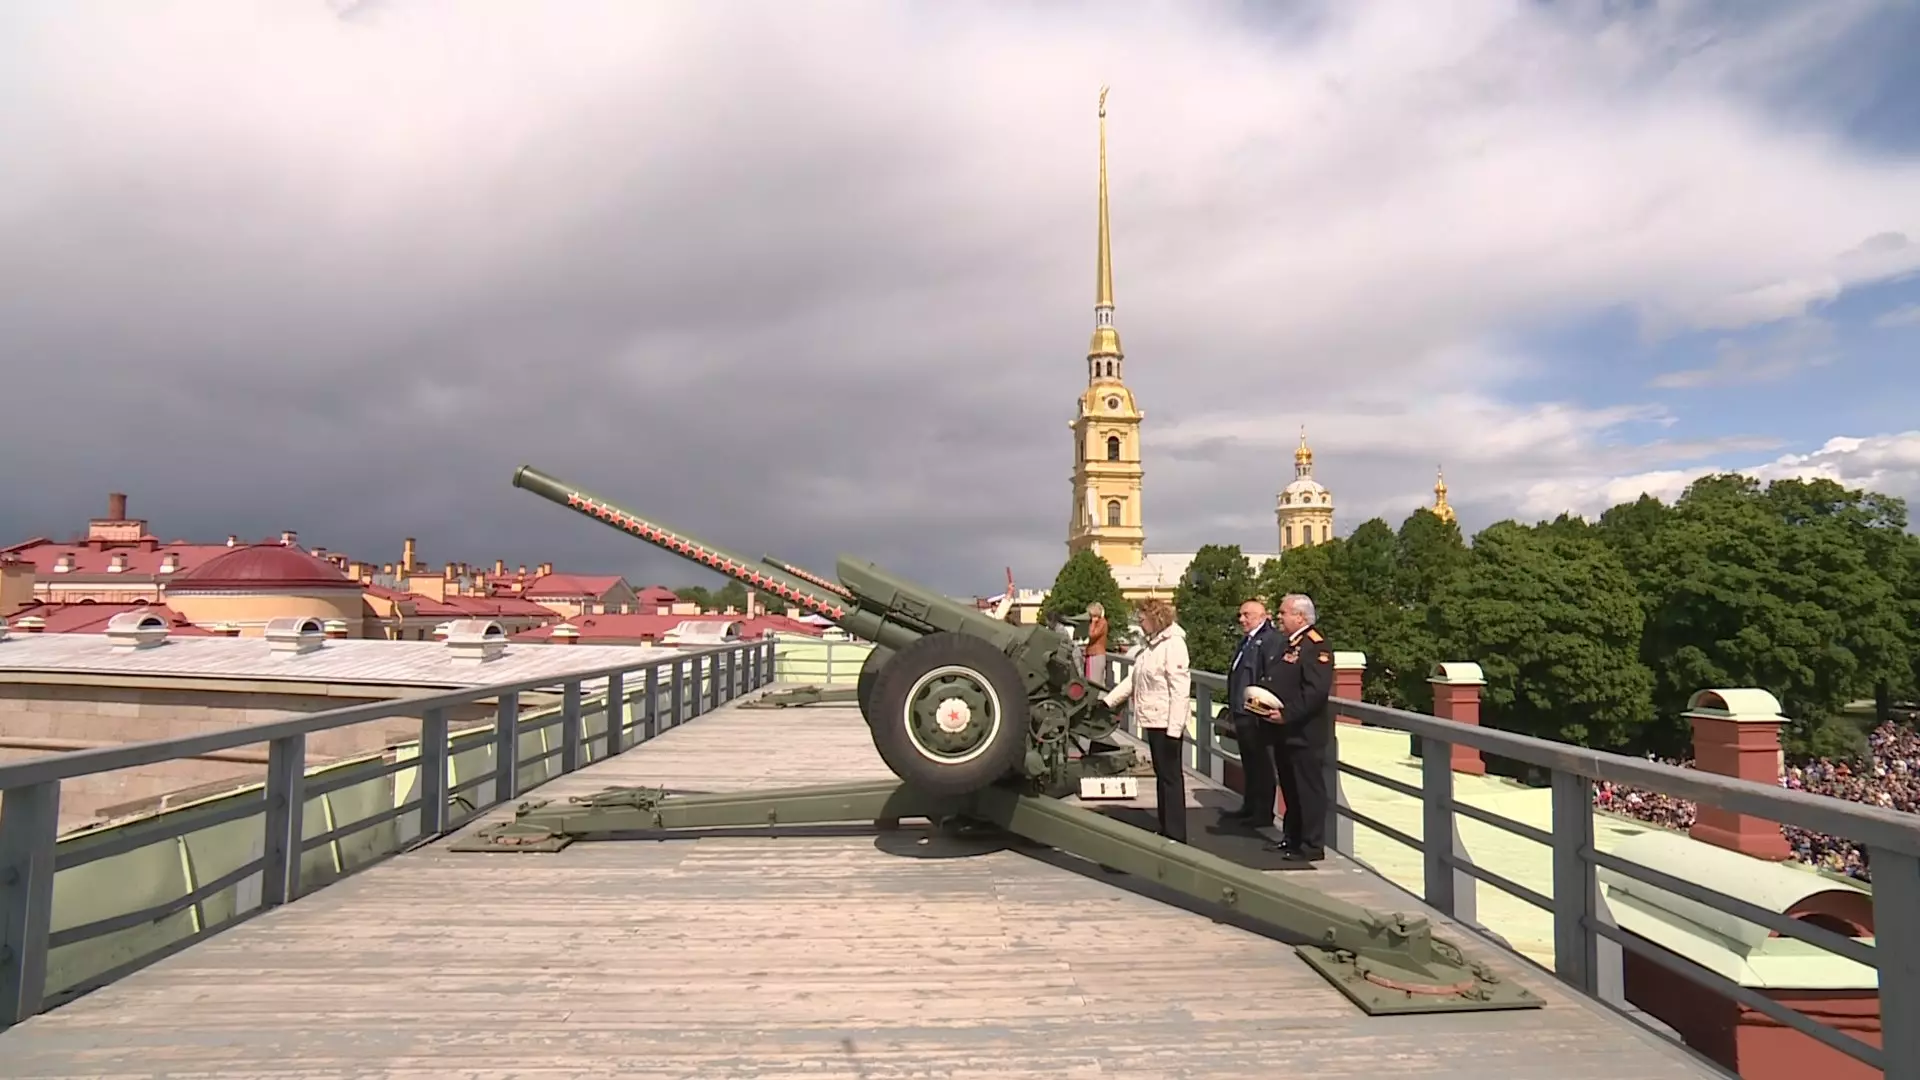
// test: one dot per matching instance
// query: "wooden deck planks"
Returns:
(857, 955)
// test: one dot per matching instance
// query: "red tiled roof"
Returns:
(635, 627)
(657, 594)
(271, 566)
(143, 557)
(569, 585)
(85, 618)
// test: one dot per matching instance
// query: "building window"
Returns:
(1326, 533)
(1289, 542)
(1113, 448)
(1113, 513)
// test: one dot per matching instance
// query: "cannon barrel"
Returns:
(955, 698)
(822, 599)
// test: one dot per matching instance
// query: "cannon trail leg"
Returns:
(546, 825)
(1383, 963)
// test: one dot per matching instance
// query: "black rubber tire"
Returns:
(869, 671)
(995, 682)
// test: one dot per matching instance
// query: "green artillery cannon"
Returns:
(989, 723)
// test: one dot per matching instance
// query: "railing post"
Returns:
(433, 772)
(733, 671)
(616, 713)
(650, 719)
(1449, 890)
(506, 749)
(1339, 827)
(1203, 730)
(286, 820)
(679, 694)
(715, 680)
(572, 733)
(1896, 896)
(1576, 887)
(29, 825)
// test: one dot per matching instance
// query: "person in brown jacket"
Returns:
(1096, 642)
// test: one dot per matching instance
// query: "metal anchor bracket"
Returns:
(1384, 963)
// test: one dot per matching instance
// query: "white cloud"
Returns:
(1801, 344)
(1889, 464)
(1904, 315)
(432, 238)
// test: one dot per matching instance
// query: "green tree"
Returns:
(1427, 552)
(1217, 582)
(1085, 578)
(1554, 621)
(1795, 589)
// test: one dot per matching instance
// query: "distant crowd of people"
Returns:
(1888, 776)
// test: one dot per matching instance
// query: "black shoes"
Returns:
(1297, 855)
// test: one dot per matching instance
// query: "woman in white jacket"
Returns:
(1159, 683)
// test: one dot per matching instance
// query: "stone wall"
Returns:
(38, 719)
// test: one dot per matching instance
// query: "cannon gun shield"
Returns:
(949, 714)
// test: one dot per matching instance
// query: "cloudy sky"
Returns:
(813, 279)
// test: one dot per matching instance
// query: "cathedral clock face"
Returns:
(1113, 403)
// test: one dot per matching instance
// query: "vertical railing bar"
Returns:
(572, 729)
(285, 820)
(616, 712)
(506, 749)
(434, 748)
(1896, 897)
(29, 827)
(1575, 883)
(650, 719)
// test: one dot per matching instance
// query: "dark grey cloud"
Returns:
(813, 280)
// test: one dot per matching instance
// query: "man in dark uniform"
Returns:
(1253, 664)
(1303, 681)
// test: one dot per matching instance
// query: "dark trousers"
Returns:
(1258, 766)
(1301, 761)
(1169, 783)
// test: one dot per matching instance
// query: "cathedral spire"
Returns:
(1440, 508)
(1104, 354)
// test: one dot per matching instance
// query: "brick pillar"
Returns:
(1349, 671)
(1737, 733)
(1456, 697)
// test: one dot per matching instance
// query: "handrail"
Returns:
(66, 766)
(1588, 948)
(688, 682)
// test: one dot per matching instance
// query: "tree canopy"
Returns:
(1085, 578)
(1598, 632)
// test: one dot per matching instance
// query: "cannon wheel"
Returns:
(869, 671)
(949, 714)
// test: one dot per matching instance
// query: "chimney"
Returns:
(334, 628)
(287, 537)
(232, 540)
(1736, 732)
(565, 634)
(448, 572)
(32, 624)
(170, 562)
(116, 506)
(476, 641)
(406, 555)
(136, 630)
(499, 567)
(224, 629)
(546, 568)
(523, 569)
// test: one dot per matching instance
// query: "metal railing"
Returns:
(1588, 946)
(633, 702)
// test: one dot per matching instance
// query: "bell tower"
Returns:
(1106, 514)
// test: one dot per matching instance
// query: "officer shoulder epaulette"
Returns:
(1314, 636)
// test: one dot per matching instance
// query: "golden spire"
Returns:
(1106, 340)
(1440, 508)
(1303, 456)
